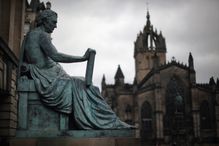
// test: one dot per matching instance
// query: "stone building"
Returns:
(11, 36)
(16, 19)
(165, 102)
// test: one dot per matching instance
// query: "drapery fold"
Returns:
(70, 95)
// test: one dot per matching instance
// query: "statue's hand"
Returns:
(87, 53)
(91, 50)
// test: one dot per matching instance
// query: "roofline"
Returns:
(162, 67)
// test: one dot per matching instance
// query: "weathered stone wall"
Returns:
(12, 23)
(8, 110)
(4, 19)
(144, 62)
(200, 95)
(122, 102)
(109, 94)
(174, 71)
(11, 28)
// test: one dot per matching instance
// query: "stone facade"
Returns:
(16, 19)
(119, 96)
(165, 102)
(11, 35)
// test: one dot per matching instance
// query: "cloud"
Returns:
(111, 27)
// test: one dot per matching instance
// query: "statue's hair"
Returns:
(42, 16)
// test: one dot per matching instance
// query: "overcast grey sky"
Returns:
(111, 27)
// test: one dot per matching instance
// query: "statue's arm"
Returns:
(50, 50)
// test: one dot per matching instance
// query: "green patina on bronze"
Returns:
(67, 95)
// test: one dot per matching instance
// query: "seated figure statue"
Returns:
(58, 90)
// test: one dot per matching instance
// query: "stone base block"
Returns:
(75, 142)
(122, 133)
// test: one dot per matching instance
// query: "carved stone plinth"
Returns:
(75, 133)
(34, 116)
(75, 142)
(38, 121)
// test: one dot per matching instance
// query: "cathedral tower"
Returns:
(148, 43)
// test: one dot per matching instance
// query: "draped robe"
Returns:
(62, 92)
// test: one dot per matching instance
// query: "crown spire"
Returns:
(148, 15)
(148, 22)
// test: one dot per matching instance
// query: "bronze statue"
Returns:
(60, 91)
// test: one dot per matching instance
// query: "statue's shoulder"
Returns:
(37, 31)
(37, 34)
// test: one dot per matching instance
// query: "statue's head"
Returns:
(47, 19)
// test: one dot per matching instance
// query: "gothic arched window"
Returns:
(174, 97)
(205, 118)
(146, 119)
(128, 114)
(174, 116)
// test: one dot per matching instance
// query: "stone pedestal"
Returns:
(39, 125)
(33, 115)
(75, 142)
(122, 133)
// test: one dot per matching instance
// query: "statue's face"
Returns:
(50, 24)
